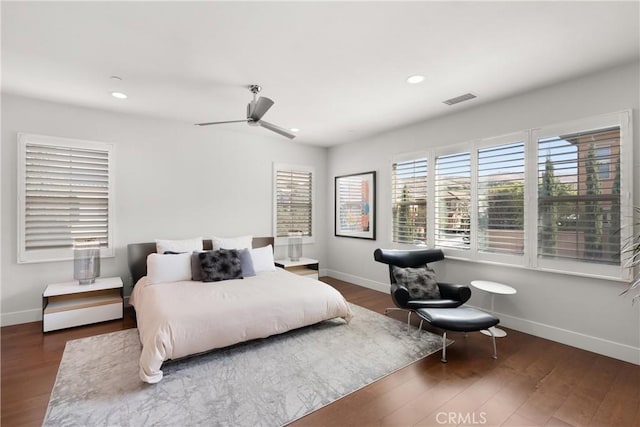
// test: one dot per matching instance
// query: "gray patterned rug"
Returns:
(266, 382)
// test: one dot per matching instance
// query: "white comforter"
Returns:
(182, 318)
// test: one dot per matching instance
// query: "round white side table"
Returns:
(493, 288)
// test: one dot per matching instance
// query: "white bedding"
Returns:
(178, 319)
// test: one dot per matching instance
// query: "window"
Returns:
(453, 201)
(65, 195)
(409, 188)
(501, 199)
(293, 201)
(555, 198)
(603, 157)
(578, 205)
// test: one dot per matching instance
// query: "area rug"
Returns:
(267, 382)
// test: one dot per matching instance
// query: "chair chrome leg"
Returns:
(493, 338)
(444, 347)
(419, 329)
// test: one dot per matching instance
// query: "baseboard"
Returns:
(17, 317)
(597, 345)
(356, 280)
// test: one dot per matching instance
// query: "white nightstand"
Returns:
(304, 267)
(69, 304)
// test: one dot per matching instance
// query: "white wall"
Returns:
(172, 180)
(582, 312)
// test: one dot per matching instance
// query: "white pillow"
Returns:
(263, 259)
(186, 245)
(168, 268)
(242, 242)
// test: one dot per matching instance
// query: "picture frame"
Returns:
(355, 205)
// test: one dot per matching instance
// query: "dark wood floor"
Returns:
(534, 382)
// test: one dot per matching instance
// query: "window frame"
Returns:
(281, 241)
(530, 137)
(412, 157)
(59, 254)
(502, 258)
(620, 119)
(457, 149)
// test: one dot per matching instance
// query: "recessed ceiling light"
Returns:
(119, 95)
(116, 88)
(294, 130)
(415, 79)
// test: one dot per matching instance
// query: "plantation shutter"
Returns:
(64, 197)
(501, 199)
(409, 193)
(293, 202)
(453, 198)
(579, 196)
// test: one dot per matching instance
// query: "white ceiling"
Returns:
(336, 70)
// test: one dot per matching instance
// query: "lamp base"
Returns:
(87, 281)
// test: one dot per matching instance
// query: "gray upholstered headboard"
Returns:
(137, 254)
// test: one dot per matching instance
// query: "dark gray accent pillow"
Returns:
(420, 281)
(196, 269)
(223, 264)
(246, 263)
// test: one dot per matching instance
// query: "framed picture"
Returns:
(356, 205)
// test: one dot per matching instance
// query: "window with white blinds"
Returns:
(409, 201)
(500, 198)
(293, 200)
(555, 198)
(453, 201)
(579, 196)
(65, 197)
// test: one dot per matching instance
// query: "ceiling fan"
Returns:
(255, 110)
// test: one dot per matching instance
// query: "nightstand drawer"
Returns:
(81, 316)
(304, 267)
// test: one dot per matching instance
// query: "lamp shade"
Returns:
(86, 260)
(295, 246)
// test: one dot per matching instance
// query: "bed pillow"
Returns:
(168, 268)
(246, 263)
(420, 281)
(223, 264)
(186, 245)
(263, 259)
(241, 242)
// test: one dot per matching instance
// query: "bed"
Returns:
(186, 317)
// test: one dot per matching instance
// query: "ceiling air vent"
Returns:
(458, 99)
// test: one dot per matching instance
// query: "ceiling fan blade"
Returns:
(261, 106)
(220, 123)
(276, 129)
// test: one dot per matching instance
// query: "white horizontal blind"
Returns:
(501, 199)
(293, 202)
(409, 195)
(579, 196)
(453, 200)
(65, 197)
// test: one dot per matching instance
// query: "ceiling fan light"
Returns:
(415, 79)
(294, 130)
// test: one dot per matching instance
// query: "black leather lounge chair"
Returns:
(451, 295)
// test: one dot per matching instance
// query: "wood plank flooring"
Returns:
(534, 382)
